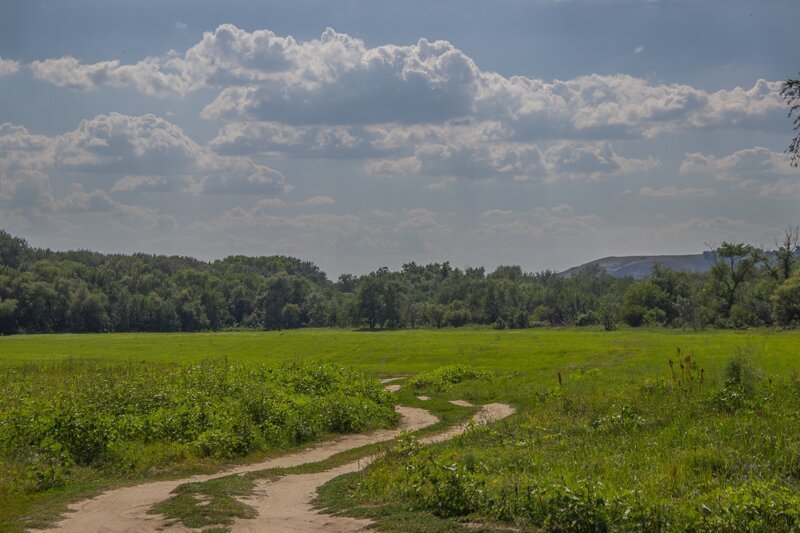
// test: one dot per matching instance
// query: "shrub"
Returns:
(442, 378)
(742, 372)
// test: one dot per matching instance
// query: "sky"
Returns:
(362, 134)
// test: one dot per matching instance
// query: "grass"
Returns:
(691, 450)
(586, 427)
(629, 351)
(81, 424)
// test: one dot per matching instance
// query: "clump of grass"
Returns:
(211, 503)
(442, 378)
(741, 371)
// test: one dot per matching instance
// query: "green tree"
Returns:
(8, 318)
(786, 301)
(735, 265)
(790, 90)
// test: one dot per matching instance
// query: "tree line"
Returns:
(44, 291)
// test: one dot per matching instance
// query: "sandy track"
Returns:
(285, 504)
(125, 509)
(282, 505)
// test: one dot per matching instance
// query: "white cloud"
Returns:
(337, 80)
(558, 221)
(675, 192)
(318, 201)
(28, 196)
(563, 160)
(18, 138)
(143, 184)
(122, 143)
(751, 163)
(26, 190)
(147, 153)
(8, 66)
(149, 75)
(638, 50)
(758, 169)
(236, 175)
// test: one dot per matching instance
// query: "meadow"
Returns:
(608, 434)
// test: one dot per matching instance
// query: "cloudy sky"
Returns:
(360, 134)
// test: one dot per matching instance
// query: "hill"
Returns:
(640, 266)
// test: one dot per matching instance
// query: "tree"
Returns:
(8, 320)
(786, 301)
(787, 250)
(790, 90)
(734, 264)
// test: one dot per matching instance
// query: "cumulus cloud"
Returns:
(14, 137)
(143, 184)
(8, 66)
(241, 176)
(677, 192)
(147, 153)
(150, 76)
(751, 163)
(563, 160)
(758, 169)
(98, 202)
(337, 80)
(117, 142)
(27, 190)
(557, 221)
(28, 196)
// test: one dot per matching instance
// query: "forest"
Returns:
(45, 291)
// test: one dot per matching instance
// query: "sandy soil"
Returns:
(423, 398)
(285, 504)
(461, 403)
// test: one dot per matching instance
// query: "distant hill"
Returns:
(640, 266)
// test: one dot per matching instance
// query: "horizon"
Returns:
(333, 276)
(357, 135)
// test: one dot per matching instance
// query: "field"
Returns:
(608, 434)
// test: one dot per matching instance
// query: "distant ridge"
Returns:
(640, 266)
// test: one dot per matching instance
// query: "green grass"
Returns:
(605, 375)
(630, 351)
(692, 449)
(73, 426)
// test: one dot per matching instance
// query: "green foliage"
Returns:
(443, 378)
(82, 291)
(679, 453)
(95, 415)
(786, 301)
(742, 372)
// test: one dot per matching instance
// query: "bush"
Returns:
(742, 372)
(444, 377)
(634, 315)
(786, 301)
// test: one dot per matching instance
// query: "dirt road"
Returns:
(282, 505)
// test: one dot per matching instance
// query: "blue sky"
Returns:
(359, 134)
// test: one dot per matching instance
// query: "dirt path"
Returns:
(125, 509)
(285, 504)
